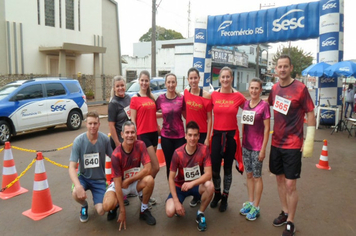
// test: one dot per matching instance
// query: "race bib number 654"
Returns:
(191, 173)
(281, 105)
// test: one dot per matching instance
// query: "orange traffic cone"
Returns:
(108, 169)
(323, 162)
(41, 199)
(160, 154)
(9, 174)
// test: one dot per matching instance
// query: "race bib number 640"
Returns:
(281, 105)
(91, 160)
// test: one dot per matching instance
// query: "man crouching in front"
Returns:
(192, 164)
(129, 177)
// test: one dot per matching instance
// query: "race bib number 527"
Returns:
(281, 105)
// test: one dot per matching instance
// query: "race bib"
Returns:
(248, 117)
(127, 111)
(91, 160)
(131, 172)
(191, 173)
(281, 105)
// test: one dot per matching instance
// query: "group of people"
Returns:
(194, 153)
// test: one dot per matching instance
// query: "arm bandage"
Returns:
(309, 142)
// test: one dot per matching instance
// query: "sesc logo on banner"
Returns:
(291, 20)
(329, 41)
(330, 6)
(200, 36)
(327, 82)
(199, 63)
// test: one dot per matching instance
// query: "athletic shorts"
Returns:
(251, 162)
(132, 189)
(97, 188)
(182, 195)
(285, 161)
(150, 139)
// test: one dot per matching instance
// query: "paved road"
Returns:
(326, 205)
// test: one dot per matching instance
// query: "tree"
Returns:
(162, 34)
(300, 58)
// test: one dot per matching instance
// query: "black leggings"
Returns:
(223, 146)
(202, 138)
(169, 145)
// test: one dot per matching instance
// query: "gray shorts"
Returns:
(251, 162)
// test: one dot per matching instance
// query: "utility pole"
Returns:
(258, 49)
(188, 18)
(153, 41)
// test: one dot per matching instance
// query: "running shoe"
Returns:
(131, 195)
(201, 222)
(146, 216)
(126, 202)
(246, 208)
(289, 230)
(194, 202)
(223, 203)
(216, 199)
(152, 201)
(112, 214)
(253, 214)
(84, 217)
(281, 219)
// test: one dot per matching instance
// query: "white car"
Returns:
(266, 87)
(211, 88)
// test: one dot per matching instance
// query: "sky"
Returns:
(135, 19)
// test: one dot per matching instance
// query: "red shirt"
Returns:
(288, 129)
(181, 159)
(225, 108)
(197, 109)
(122, 161)
(146, 120)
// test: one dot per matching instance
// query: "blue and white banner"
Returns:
(269, 25)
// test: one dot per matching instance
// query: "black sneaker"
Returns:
(146, 216)
(289, 230)
(281, 219)
(201, 222)
(223, 204)
(84, 217)
(216, 199)
(112, 214)
(194, 202)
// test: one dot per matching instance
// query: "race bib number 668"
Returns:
(281, 105)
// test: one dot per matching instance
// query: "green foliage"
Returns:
(161, 34)
(300, 59)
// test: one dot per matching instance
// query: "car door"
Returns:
(31, 108)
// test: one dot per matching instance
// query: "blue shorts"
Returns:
(97, 188)
(182, 195)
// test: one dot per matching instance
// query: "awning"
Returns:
(73, 48)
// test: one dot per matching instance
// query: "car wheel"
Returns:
(74, 120)
(5, 132)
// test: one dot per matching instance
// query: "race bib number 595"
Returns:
(281, 105)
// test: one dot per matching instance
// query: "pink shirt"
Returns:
(253, 134)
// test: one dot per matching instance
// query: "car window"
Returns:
(7, 89)
(134, 87)
(30, 92)
(161, 85)
(73, 87)
(154, 86)
(55, 89)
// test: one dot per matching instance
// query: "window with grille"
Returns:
(70, 14)
(49, 13)
(60, 13)
(38, 12)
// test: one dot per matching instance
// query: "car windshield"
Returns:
(133, 87)
(7, 89)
